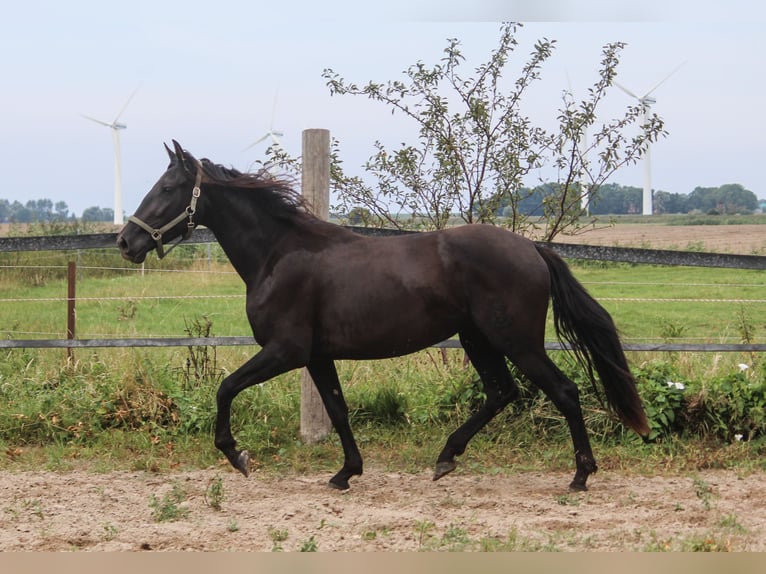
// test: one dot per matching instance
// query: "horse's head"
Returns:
(167, 211)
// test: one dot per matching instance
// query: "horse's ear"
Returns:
(171, 155)
(179, 153)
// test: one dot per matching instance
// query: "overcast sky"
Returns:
(207, 74)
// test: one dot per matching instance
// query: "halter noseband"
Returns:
(189, 212)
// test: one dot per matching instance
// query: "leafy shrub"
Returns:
(728, 407)
(731, 407)
(663, 396)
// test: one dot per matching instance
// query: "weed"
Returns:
(704, 492)
(109, 532)
(127, 311)
(201, 361)
(214, 495)
(657, 544)
(731, 522)
(34, 507)
(233, 526)
(309, 545)
(670, 331)
(708, 542)
(423, 529)
(277, 535)
(168, 509)
(568, 500)
(454, 538)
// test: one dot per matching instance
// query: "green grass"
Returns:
(646, 300)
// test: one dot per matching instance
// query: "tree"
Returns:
(62, 211)
(476, 148)
(98, 214)
(665, 202)
(728, 198)
(613, 198)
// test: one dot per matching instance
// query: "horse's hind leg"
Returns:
(542, 372)
(499, 388)
(325, 378)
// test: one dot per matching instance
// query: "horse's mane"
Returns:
(276, 195)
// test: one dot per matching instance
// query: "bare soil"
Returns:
(384, 511)
(746, 239)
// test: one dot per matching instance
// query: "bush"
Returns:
(729, 407)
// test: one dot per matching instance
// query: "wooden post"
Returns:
(315, 183)
(71, 314)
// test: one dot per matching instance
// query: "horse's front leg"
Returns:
(325, 378)
(268, 363)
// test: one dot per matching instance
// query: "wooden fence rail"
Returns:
(245, 341)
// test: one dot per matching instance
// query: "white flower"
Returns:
(738, 437)
(679, 386)
(743, 367)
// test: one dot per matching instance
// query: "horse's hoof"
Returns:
(339, 484)
(243, 463)
(443, 468)
(577, 487)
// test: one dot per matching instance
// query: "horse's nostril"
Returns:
(122, 243)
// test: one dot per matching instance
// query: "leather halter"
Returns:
(189, 212)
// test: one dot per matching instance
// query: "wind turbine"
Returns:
(582, 149)
(116, 126)
(274, 135)
(647, 102)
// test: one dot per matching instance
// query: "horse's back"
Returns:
(414, 290)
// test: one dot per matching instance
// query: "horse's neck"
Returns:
(247, 246)
(253, 240)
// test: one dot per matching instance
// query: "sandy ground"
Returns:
(383, 511)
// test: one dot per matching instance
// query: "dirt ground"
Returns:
(748, 239)
(383, 511)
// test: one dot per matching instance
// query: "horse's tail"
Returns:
(588, 328)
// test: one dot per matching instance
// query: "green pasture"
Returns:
(153, 409)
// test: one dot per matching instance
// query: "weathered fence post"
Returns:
(315, 185)
(71, 316)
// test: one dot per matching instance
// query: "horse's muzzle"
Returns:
(137, 256)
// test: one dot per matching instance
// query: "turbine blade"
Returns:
(626, 90)
(103, 123)
(665, 78)
(126, 104)
(256, 142)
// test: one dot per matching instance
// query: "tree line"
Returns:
(616, 199)
(48, 211)
(610, 199)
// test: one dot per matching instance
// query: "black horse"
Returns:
(317, 292)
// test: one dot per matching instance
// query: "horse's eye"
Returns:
(167, 189)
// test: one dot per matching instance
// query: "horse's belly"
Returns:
(388, 331)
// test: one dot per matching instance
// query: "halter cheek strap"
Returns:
(189, 212)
